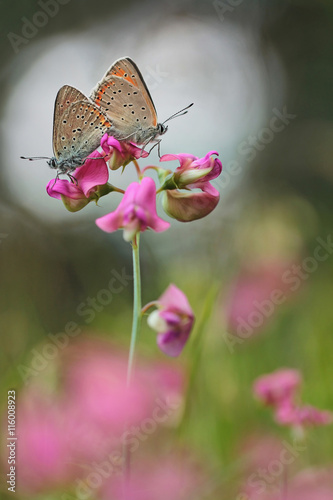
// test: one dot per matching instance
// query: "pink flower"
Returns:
(192, 173)
(90, 183)
(254, 298)
(257, 452)
(311, 484)
(136, 211)
(173, 320)
(277, 387)
(120, 153)
(186, 206)
(171, 477)
(42, 454)
(302, 416)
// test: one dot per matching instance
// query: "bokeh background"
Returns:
(260, 75)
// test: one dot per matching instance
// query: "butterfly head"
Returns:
(52, 163)
(162, 128)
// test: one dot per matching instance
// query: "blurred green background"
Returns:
(242, 65)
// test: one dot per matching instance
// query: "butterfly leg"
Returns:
(157, 143)
(55, 180)
(73, 179)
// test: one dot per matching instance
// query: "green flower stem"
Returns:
(138, 170)
(154, 303)
(135, 328)
(136, 305)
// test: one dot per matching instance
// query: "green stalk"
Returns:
(136, 305)
(135, 328)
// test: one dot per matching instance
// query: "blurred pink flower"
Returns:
(89, 183)
(302, 416)
(277, 387)
(43, 460)
(254, 297)
(64, 437)
(192, 173)
(166, 478)
(120, 153)
(257, 452)
(309, 484)
(173, 320)
(101, 404)
(136, 211)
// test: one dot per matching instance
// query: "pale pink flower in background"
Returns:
(96, 391)
(309, 484)
(312, 484)
(302, 416)
(277, 387)
(258, 451)
(173, 320)
(254, 296)
(43, 460)
(62, 435)
(159, 478)
(136, 212)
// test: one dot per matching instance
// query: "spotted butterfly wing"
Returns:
(125, 99)
(77, 129)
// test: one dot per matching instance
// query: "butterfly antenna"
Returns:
(32, 158)
(179, 113)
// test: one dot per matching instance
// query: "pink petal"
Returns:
(110, 222)
(172, 342)
(277, 387)
(158, 224)
(173, 298)
(93, 173)
(189, 206)
(214, 163)
(129, 196)
(146, 197)
(146, 194)
(62, 187)
(184, 159)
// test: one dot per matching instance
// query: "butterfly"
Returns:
(124, 98)
(120, 105)
(78, 126)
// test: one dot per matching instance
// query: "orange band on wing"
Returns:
(101, 91)
(104, 121)
(121, 73)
